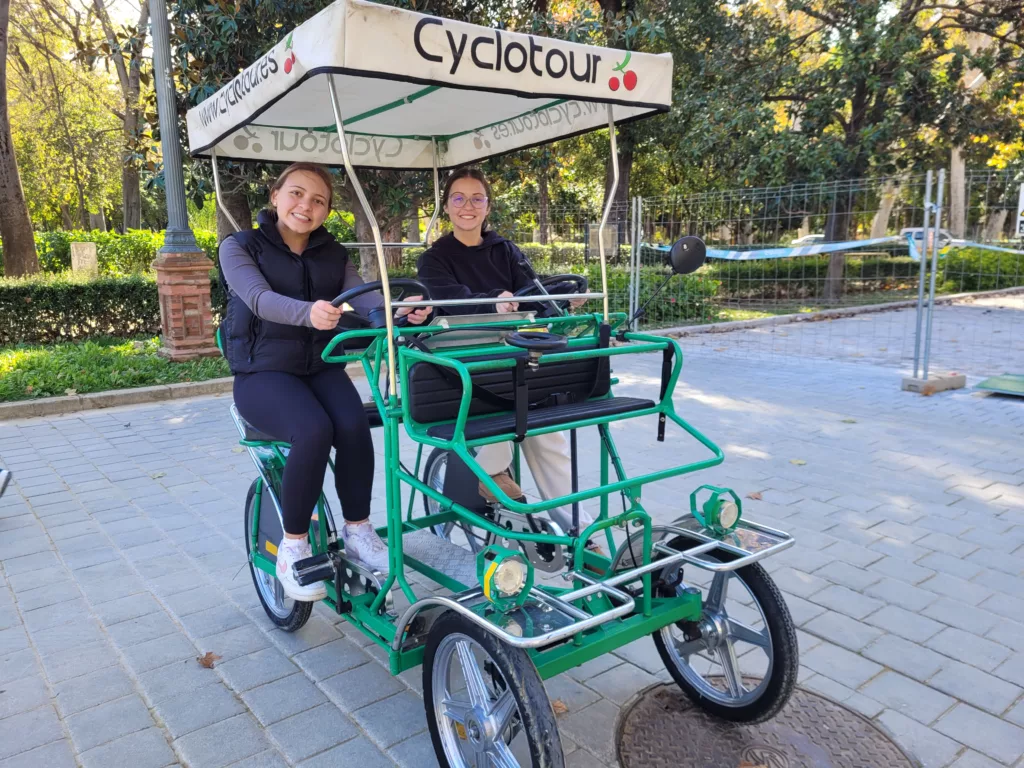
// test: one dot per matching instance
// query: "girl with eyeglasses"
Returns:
(475, 262)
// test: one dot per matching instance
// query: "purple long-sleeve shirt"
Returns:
(244, 278)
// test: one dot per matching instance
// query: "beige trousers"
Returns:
(550, 463)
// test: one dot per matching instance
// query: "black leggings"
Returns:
(313, 413)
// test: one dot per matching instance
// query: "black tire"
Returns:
(289, 618)
(508, 669)
(784, 652)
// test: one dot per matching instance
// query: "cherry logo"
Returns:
(289, 59)
(628, 75)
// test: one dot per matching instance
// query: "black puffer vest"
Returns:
(252, 344)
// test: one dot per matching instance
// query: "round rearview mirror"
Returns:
(687, 255)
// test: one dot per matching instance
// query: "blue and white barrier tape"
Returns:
(850, 245)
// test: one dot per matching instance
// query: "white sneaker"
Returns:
(289, 553)
(363, 544)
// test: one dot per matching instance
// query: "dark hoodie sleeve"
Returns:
(435, 272)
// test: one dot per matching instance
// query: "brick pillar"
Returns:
(183, 282)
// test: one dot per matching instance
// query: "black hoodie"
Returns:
(452, 270)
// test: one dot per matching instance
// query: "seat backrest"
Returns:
(432, 398)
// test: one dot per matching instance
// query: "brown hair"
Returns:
(317, 170)
(466, 172)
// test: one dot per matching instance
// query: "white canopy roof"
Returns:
(405, 79)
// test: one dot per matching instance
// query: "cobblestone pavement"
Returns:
(123, 561)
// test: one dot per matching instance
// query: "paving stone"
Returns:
(904, 656)
(840, 665)
(142, 629)
(417, 752)
(283, 698)
(21, 733)
(74, 609)
(234, 643)
(393, 719)
(213, 621)
(904, 623)
(976, 651)
(954, 588)
(198, 709)
(622, 683)
(572, 694)
(907, 697)
(86, 691)
(312, 732)
(79, 661)
(594, 727)
(932, 749)
(358, 752)
(194, 601)
(222, 743)
(316, 633)
(972, 759)
(144, 749)
(331, 659)
(126, 608)
(954, 566)
(986, 734)
(159, 652)
(957, 614)
(847, 601)
(256, 669)
(975, 687)
(842, 630)
(269, 759)
(361, 686)
(13, 640)
(902, 594)
(57, 754)
(107, 722)
(23, 695)
(175, 679)
(1005, 605)
(798, 583)
(181, 581)
(33, 562)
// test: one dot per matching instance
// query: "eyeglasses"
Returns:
(459, 201)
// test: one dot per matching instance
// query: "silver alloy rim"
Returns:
(476, 722)
(724, 647)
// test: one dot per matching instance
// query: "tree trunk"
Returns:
(65, 217)
(544, 208)
(98, 221)
(367, 256)
(238, 205)
(957, 194)
(837, 227)
(131, 198)
(880, 224)
(392, 233)
(19, 247)
(994, 223)
(413, 232)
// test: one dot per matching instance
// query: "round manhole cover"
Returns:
(663, 728)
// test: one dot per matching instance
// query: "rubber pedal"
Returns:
(313, 569)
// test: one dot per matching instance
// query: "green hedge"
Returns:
(62, 308)
(974, 269)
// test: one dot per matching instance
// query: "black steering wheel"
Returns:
(554, 285)
(403, 286)
(537, 341)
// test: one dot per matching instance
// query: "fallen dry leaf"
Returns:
(745, 764)
(720, 349)
(158, 475)
(755, 495)
(237, 449)
(797, 462)
(559, 707)
(70, 392)
(849, 421)
(28, 389)
(207, 659)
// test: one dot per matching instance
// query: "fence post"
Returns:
(634, 282)
(935, 269)
(923, 256)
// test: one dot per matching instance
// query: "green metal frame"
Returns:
(367, 611)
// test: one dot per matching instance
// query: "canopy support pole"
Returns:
(608, 209)
(437, 200)
(216, 190)
(382, 266)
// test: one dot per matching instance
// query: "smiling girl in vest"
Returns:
(281, 278)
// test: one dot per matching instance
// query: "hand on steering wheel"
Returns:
(555, 285)
(400, 287)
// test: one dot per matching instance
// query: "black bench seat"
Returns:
(552, 416)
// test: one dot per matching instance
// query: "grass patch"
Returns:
(30, 371)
